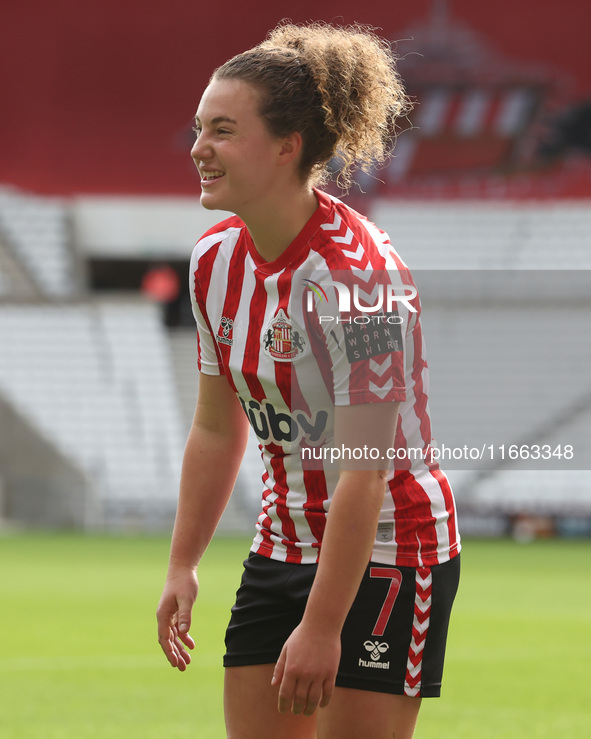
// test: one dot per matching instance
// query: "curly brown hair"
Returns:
(337, 86)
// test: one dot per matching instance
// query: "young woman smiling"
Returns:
(340, 621)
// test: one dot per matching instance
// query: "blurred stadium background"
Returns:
(488, 199)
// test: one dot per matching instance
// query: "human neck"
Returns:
(274, 225)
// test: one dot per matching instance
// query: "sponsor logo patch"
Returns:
(367, 337)
(385, 532)
(273, 425)
(224, 335)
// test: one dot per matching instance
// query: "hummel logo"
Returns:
(376, 649)
(224, 335)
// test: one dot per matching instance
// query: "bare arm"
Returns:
(213, 453)
(307, 668)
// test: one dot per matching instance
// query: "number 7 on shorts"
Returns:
(395, 577)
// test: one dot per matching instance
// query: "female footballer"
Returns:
(309, 330)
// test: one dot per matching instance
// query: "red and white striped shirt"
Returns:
(294, 341)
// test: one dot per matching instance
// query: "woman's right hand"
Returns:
(174, 615)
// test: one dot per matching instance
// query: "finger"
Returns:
(314, 696)
(187, 640)
(286, 683)
(166, 642)
(184, 637)
(180, 649)
(166, 618)
(300, 699)
(165, 623)
(286, 693)
(183, 619)
(327, 691)
(279, 669)
(181, 665)
(183, 657)
(173, 648)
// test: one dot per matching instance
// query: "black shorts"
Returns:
(393, 640)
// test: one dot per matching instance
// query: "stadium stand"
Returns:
(506, 375)
(95, 378)
(484, 235)
(506, 294)
(244, 505)
(487, 199)
(38, 231)
(91, 378)
(15, 283)
(507, 310)
(38, 483)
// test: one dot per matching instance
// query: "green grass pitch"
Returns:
(79, 657)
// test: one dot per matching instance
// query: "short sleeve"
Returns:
(366, 350)
(209, 360)
(371, 367)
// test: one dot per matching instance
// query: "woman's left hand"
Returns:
(306, 670)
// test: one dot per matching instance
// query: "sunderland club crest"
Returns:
(282, 341)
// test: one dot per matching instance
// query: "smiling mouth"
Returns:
(208, 177)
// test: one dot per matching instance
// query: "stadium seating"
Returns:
(244, 506)
(488, 235)
(506, 294)
(37, 228)
(95, 378)
(15, 282)
(506, 315)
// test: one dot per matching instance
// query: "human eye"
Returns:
(196, 129)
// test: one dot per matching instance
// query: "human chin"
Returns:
(215, 201)
(207, 201)
(211, 198)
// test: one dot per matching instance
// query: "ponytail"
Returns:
(337, 86)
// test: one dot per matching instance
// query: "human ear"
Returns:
(291, 147)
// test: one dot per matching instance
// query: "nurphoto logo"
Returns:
(384, 295)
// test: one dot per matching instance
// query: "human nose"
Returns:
(200, 149)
